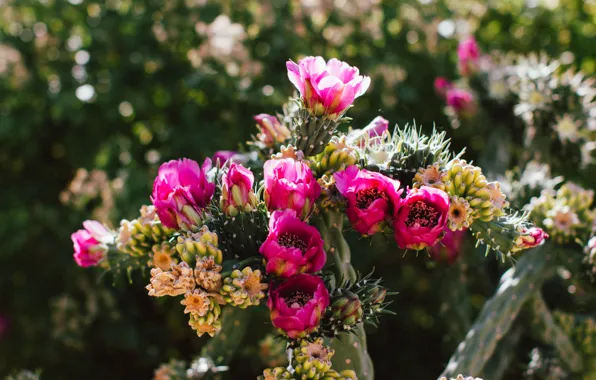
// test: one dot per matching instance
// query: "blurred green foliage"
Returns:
(104, 91)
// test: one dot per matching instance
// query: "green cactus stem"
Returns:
(222, 347)
(548, 330)
(350, 349)
(516, 287)
(455, 306)
(504, 355)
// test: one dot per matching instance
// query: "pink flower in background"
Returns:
(222, 156)
(290, 184)
(271, 131)
(297, 305)
(90, 243)
(180, 191)
(468, 54)
(533, 237)
(327, 88)
(462, 102)
(292, 246)
(448, 248)
(376, 128)
(371, 198)
(236, 192)
(442, 85)
(421, 218)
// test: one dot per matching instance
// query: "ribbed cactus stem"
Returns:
(550, 332)
(351, 351)
(504, 355)
(516, 287)
(223, 346)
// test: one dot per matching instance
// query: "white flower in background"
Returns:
(567, 128)
(224, 35)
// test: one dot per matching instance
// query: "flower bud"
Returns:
(199, 244)
(244, 288)
(90, 243)
(312, 359)
(277, 373)
(347, 309)
(271, 131)
(530, 238)
(237, 194)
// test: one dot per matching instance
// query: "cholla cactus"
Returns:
(174, 282)
(336, 156)
(137, 237)
(277, 373)
(209, 323)
(343, 375)
(311, 360)
(199, 244)
(244, 288)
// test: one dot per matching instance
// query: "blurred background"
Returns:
(94, 95)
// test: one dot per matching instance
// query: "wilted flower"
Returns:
(174, 282)
(462, 102)
(271, 131)
(290, 184)
(312, 358)
(209, 323)
(180, 191)
(371, 198)
(207, 274)
(460, 214)
(297, 305)
(327, 89)
(431, 176)
(292, 246)
(442, 85)
(449, 247)
(236, 190)
(468, 55)
(197, 302)
(378, 127)
(532, 237)
(421, 218)
(90, 243)
(244, 288)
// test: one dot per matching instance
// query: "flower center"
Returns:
(422, 215)
(367, 196)
(298, 300)
(291, 240)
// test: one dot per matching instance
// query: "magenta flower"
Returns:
(327, 88)
(90, 243)
(468, 54)
(442, 85)
(236, 191)
(533, 237)
(180, 191)
(371, 198)
(377, 128)
(223, 155)
(449, 247)
(290, 184)
(462, 102)
(292, 246)
(297, 305)
(421, 218)
(271, 131)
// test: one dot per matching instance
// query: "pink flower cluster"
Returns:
(460, 100)
(327, 88)
(374, 200)
(468, 54)
(90, 243)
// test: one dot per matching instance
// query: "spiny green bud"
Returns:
(347, 374)
(199, 244)
(347, 308)
(137, 237)
(431, 176)
(243, 288)
(336, 156)
(312, 360)
(209, 323)
(277, 373)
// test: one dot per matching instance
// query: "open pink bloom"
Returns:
(180, 191)
(90, 243)
(449, 247)
(442, 85)
(535, 237)
(222, 156)
(462, 102)
(292, 246)
(297, 305)
(421, 218)
(290, 184)
(327, 88)
(271, 131)
(236, 192)
(468, 54)
(375, 129)
(371, 198)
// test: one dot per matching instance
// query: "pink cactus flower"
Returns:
(468, 54)
(533, 237)
(297, 305)
(449, 247)
(290, 184)
(236, 191)
(222, 156)
(327, 88)
(442, 85)
(90, 243)
(293, 246)
(376, 129)
(462, 102)
(371, 198)
(419, 221)
(271, 131)
(180, 191)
